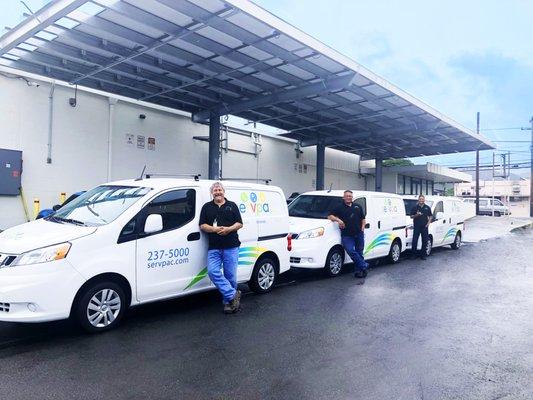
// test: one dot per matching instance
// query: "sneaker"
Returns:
(361, 274)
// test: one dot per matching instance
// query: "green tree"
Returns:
(397, 162)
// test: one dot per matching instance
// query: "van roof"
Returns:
(340, 193)
(164, 183)
(430, 197)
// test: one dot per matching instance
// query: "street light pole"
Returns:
(477, 170)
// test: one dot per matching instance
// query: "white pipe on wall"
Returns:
(112, 102)
(50, 121)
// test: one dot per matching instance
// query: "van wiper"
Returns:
(70, 221)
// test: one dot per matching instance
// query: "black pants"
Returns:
(425, 237)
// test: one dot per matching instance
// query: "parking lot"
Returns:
(453, 327)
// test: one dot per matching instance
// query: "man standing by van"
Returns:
(422, 216)
(351, 220)
(221, 219)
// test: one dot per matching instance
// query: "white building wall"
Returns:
(388, 183)
(80, 148)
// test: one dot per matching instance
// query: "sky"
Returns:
(458, 56)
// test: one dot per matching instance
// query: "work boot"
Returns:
(361, 274)
(235, 304)
(228, 309)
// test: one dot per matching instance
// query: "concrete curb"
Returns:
(528, 225)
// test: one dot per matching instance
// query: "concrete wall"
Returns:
(388, 184)
(80, 147)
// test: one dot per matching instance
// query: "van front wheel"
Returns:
(101, 307)
(334, 262)
(395, 251)
(264, 275)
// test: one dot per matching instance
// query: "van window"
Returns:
(313, 206)
(361, 202)
(483, 203)
(410, 203)
(496, 202)
(176, 207)
(99, 206)
(438, 208)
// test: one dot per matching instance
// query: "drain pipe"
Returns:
(112, 102)
(50, 121)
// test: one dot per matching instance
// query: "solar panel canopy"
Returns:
(214, 58)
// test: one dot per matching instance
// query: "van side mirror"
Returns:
(154, 223)
(440, 215)
(56, 207)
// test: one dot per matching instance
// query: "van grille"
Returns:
(295, 260)
(6, 259)
(4, 307)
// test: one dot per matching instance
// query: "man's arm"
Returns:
(430, 218)
(332, 217)
(225, 230)
(204, 226)
(413, 213)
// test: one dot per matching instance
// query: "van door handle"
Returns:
(367, 225)
(379, 224)
(193, 236)
(443, 221)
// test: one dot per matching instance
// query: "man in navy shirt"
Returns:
(351, 220)
(221, 219)
(422, 216)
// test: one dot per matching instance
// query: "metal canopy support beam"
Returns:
(320, 164)
(43, 18)
(379, 174)
(214, 146)
(277, 97)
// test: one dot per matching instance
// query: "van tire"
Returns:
(395, 251)
(264, 275)
(334, 262)
(456, 242)
(88, 300)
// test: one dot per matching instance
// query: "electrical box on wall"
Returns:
(10, 172)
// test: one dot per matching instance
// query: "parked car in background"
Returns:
(130, 242)
(292, 197)
(49, 211)
(487, 205)
(446, 227)
(316, 241)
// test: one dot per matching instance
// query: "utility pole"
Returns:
(477, 170)
(531, 168)
(531, 172)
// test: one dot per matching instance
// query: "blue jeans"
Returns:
(226, 280)
(354, 246)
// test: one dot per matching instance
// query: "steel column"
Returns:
(214, 146)
(379, 175)
(320, 164)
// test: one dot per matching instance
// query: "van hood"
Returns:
(299, 225)
(40, 233)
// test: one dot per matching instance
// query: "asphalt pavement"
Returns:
(456, 326)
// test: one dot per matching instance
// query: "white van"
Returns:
(447, 226)
(316, 241)
(130, 242)
(488, 205)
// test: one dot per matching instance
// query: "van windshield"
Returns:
(99, 206)
(313, 206)
(410, 203)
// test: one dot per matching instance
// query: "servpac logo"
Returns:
(254, 202)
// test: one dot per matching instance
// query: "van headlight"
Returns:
(42, 255)
(312, 233)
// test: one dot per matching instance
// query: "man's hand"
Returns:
(223, 230)
(341, 224)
